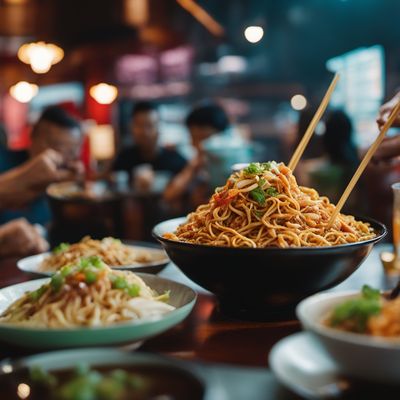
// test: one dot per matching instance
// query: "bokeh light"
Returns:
(23, 91)
(298, 102)
(104, 93)
(254, 33)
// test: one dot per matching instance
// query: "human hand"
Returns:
(48, 167)
(388, 149)
(19, 238)
(385, 111)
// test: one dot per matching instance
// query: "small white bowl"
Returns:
(367, 357)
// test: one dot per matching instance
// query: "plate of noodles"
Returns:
(269, 236)
(88, 303)
(356, 326)
(135, 256)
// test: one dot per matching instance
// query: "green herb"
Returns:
(90, 277)
(253, 168)
(66, 270)
(56, 282)
(118, 282)
(39, 375)
(370, 293)
(258, 195)
(87, 384)
(61, 248)
(96, 261)
(258, 214)
(271, 191)
(84, 262)
(261, 182)
(356, 312)
(37, 294)
(258, 168)
(133, 290)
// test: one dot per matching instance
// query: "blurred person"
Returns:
(146, 148)
(315, 146)
(390, 147)
(52, 156)
(330, 174)
(18, 238)
(203, 122)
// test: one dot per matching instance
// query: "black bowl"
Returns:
(265, 283)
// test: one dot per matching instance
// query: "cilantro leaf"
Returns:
(370, 293)
(256, 168)
(253, 169)
(355, 313)
(258, 195)
(271, 191)
(61, 247)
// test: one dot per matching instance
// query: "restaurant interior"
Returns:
(199, 199)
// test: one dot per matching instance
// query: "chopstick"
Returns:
(364, 164)
(313, 124)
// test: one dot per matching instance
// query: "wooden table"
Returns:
(207, 336)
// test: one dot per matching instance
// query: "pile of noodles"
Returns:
(111, 250)
(263, 206)
(88, 294)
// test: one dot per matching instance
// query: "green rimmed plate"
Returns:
(181, 297)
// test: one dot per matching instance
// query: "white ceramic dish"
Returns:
(181, 297)
(362, 356)
(302, 365)
(159, 261)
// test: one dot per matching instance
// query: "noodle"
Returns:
(263, 206)
(111, 250)
(88, 294)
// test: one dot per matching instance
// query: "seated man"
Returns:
(146, 149)
(55, 148)
(191, 186)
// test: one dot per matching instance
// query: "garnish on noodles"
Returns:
(112, 251)
(369, 313)
(88, 293)
(263, 206)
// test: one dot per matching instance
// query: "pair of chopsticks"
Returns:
(367, 158)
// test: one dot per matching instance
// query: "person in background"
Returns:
(330, 174)
(146, 148)
(203, 122)
(18, 238)
(53, 156)
(390, 147)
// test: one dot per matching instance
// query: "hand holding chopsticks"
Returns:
(313, 124)
(364, 164)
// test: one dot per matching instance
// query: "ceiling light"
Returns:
(23, 91)
(41, 56)
(104, 93)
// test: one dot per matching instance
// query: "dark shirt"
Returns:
(37, 211)
(166, 160)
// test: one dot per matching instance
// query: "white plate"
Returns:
(160, 260)
(181, 297)
(301, 364)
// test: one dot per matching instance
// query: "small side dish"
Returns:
(371, 313)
